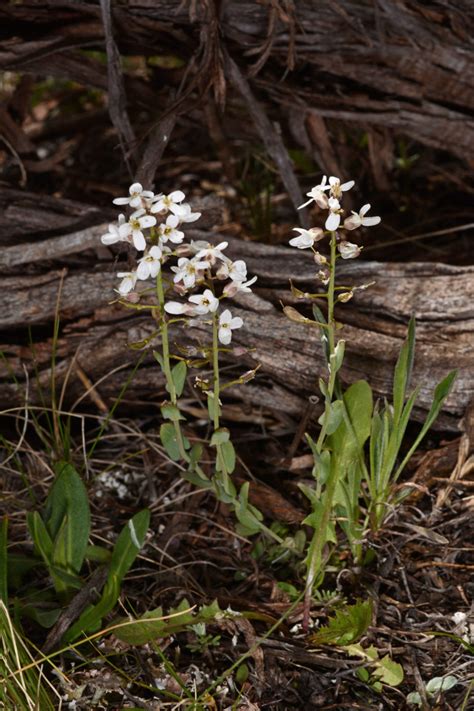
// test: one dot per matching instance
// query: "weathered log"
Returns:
(95, 333)
(403, 66)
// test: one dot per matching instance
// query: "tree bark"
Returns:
(96, 335)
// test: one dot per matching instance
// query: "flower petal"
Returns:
(147, 221)
(177, 196)
(332, 222)
(135, 188)
(175, 307)
(364, 209)
(225, 336)
(347, 186)
(371, 221)
(138, 240)
(121, 201)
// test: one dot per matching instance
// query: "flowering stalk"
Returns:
(327, 469)
(155, 228)
(165, 351)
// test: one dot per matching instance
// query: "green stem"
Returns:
(315, 552)
(215, 368)
(165, 351)
(216, 388)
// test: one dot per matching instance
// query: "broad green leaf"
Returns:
(98, 554)
(347, 626)
(128, 544)
(248, 516)
(125, 551)
(441, 683)
(170, 442)
(171, 412)
(178, 373)
(146, 628)
(220, 436)
(197, 479)
(388, 671)
(228, 454)
(91, 619)
(336, 413)
(67, 516)
(44, 617)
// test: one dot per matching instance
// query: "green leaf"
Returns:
(91, 619)
(336, 413)
(388, 671)
(212, 406)
(98, 554)
(44, 617)
(347, 626)
(67, 517)
(171, 412)
(147, 628)
(170, 442)
(4, 560)
(40, 535)
(178, 373)
(197, 479)
(440, 394)
(159, 358)
(220, 436)
(128, 544)
(441, 683)
(248, 516)
(337, 357)
(228, 454)
(242, 674)
(125, 551)
(403, 370)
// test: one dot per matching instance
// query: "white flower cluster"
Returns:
(198, 263)
(327, 195)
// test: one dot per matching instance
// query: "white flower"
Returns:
(348, 250)
(136, 194)
(317, 194)
(150, 264)
(168, 231)
(113, 235)
(176, 308)
(236, 271)
(132, 229)
(211, 253)
(188, 270)
(170, 203)
(358, 219)
(334, 217)
(227, 324)
(129, 279)
(187, 215)
(204, 303)
(337, 189)
(306, 238)
(233, 287)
